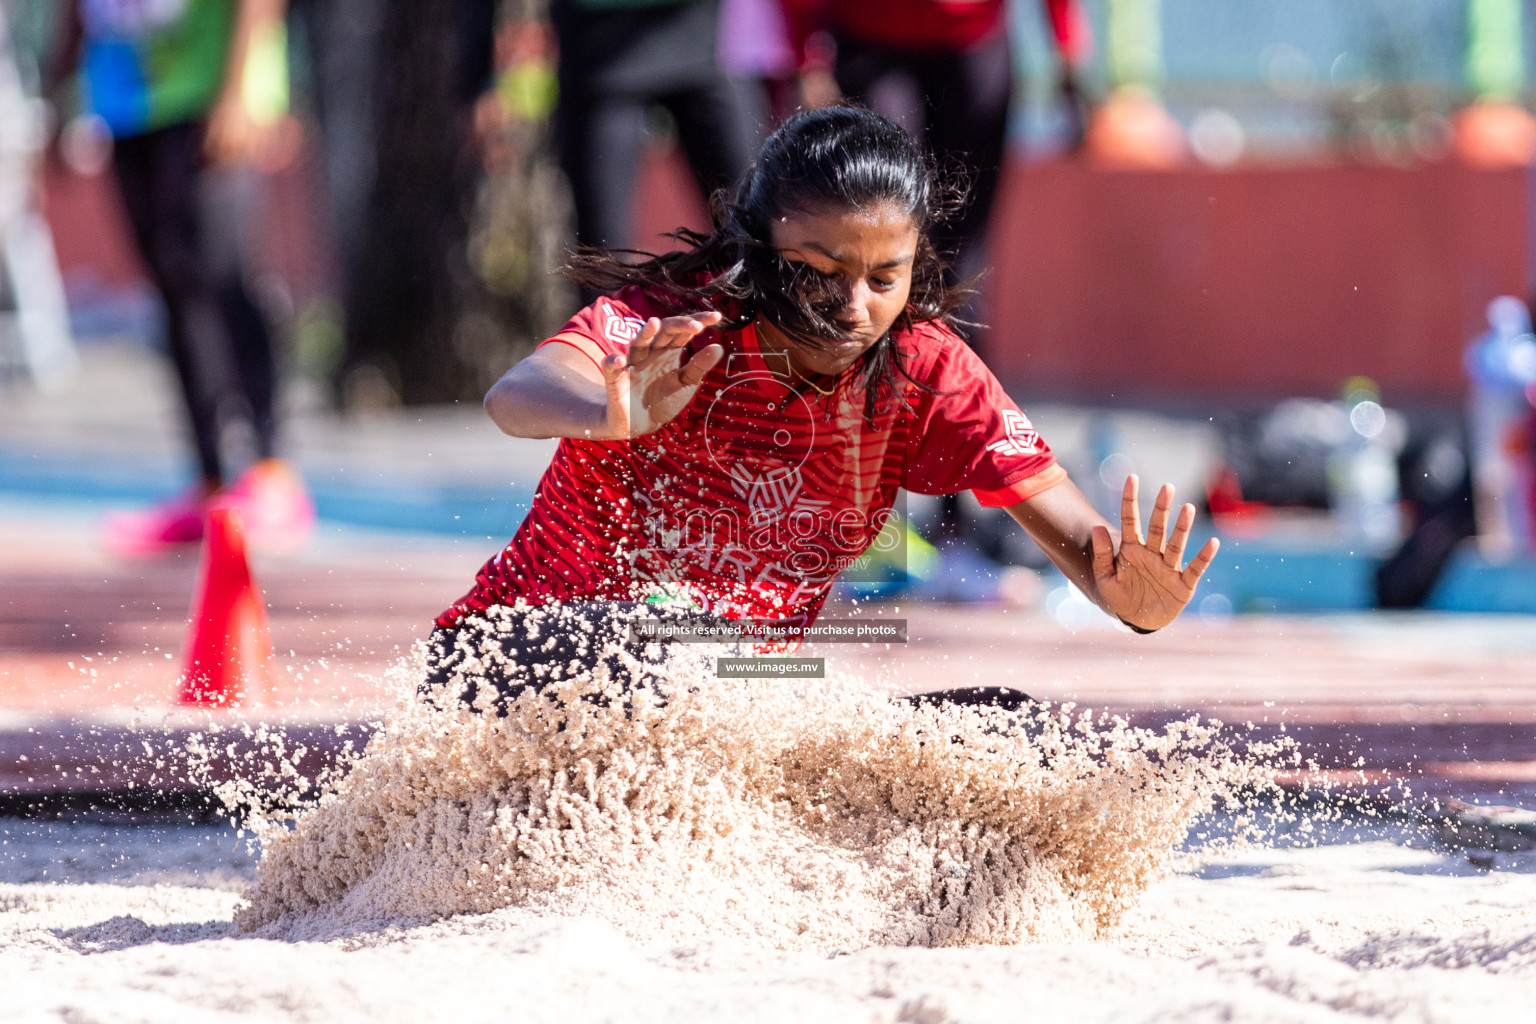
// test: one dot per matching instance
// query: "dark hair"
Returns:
(842, 157)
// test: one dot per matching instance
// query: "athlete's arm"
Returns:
(232, 133)
(1138, 579)
(564, 391)
(556, 392)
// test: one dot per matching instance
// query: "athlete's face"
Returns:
(867, 257)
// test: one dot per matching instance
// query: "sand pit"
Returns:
(714, 849)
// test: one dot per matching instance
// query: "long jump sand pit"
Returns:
(714, 849)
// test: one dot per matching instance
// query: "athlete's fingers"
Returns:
(647, 335)
(1201, 562)
(613, 368)
(1103, 551)
(640, 350)
(1130, 512)
(704, 360)
(677, 331)
(1157, 527)
(1180, 537)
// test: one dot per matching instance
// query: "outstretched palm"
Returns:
(651, 383)
(1143, 583)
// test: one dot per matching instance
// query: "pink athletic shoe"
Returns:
(275, 507)
(153, 531)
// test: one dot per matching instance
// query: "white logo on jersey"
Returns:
(1022, 438)
(768, 495)
(620, 328)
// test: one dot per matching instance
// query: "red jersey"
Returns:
(759, 492)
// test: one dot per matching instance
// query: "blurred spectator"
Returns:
(342, 39)
(943, 69)
(618, 60)
(404, 151)
(33, 315)
(190, 90)
(1438, 491)
(1501, 365)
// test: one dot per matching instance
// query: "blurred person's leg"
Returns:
(157, 178)
(881, 79)
(720, 125)
(967, 97)
(614, 64)
(343, 43)
(275, 507)
(218, 341)
(959, 106)
(229, 213)
(600, 139)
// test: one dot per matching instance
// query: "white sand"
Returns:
(1375, 930)
(814, 816)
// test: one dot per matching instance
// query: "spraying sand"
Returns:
(810, 817)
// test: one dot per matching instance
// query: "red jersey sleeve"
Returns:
(607, 326)
(971, 435)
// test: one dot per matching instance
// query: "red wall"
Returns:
(89, 229)
(1249, 284)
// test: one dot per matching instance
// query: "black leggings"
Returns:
(615, 65)
(516, 652)
(217, 337)
(513, 650)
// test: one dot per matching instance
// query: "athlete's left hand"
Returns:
(1144, 583)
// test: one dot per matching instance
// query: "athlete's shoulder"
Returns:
(933, 351)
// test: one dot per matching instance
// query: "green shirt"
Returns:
(152, 63)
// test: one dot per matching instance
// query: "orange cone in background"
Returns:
(229, 648)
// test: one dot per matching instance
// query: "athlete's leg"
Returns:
(512, 650)
(1020, 707)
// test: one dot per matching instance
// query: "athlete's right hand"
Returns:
(651, 383)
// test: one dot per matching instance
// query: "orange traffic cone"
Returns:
(229, 648)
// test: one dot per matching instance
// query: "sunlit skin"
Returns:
(559, 392)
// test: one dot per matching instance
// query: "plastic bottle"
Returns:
(1502, 368)
(1362, 475)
